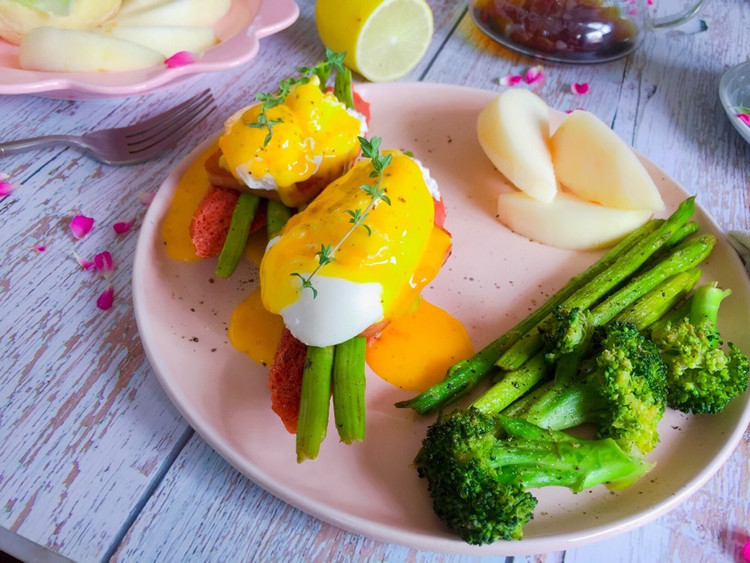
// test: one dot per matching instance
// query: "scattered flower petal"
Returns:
(534, 74)
(510, 80)
(83, 262)
(7, 188)
(579, 87)
(107, 297)
(180, 58)
(103, 263)
(744, 117)
(145, 197)
(123, 226)
(39, 248)
(746, 551)
(81, 225)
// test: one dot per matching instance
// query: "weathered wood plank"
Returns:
(80, 405)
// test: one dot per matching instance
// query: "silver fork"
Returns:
(129, 145)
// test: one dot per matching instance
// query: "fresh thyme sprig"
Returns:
(357, 217)
(270, 100)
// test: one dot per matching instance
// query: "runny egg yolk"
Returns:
(415, 350)
(311, 135)
(377, 273)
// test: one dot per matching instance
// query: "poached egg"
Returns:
(312, 139)
(377, 273)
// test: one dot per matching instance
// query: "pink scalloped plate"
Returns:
(239, 31)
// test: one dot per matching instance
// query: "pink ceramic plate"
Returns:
(491, 280)
(240, 31)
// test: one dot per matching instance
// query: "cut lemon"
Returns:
(383, 39)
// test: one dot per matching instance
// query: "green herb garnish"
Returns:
(270, 100)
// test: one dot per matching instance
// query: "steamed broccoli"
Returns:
(701, 376)
(564, 332)
(618, 383)
(479, 467)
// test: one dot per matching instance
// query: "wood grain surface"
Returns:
(96, 463)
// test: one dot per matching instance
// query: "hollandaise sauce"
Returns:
(175, 228)
(254, 331)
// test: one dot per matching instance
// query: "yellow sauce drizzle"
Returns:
(175, 228)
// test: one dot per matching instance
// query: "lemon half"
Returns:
(383, 39)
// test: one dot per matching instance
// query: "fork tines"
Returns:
(166, 127)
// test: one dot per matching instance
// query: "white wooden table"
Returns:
(95, 461)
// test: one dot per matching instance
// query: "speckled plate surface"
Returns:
(490, 282)
(239, 32)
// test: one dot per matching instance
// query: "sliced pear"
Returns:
(567, 221)
(591, 161)
(195, 13)
(65, 50)
(129, 6)
(166, 40)
(513, 131)
(18, 18)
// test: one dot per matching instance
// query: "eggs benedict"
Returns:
(292, 150)
(286, 147)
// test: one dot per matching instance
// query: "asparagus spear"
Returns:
(239, 229)
(314, 405)
(464, 375)
(349, 389)
(654, 305)
(277, 214)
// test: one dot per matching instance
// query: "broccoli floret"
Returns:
(564, 331)
(619, 385)
(701, 376)
(479, 467)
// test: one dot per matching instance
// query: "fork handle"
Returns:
(22, 145)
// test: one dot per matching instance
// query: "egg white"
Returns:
(340, 310)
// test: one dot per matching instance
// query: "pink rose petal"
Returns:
(744, 117)
(105, 300)
(123, 226)
(579, 87)
(81, 226)
(145, 197)
(85, 264)
(534, 74)
(510, 80)
(7, 188)
(746, 551)
(103, 263)
(180, 58)
(39, 248)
